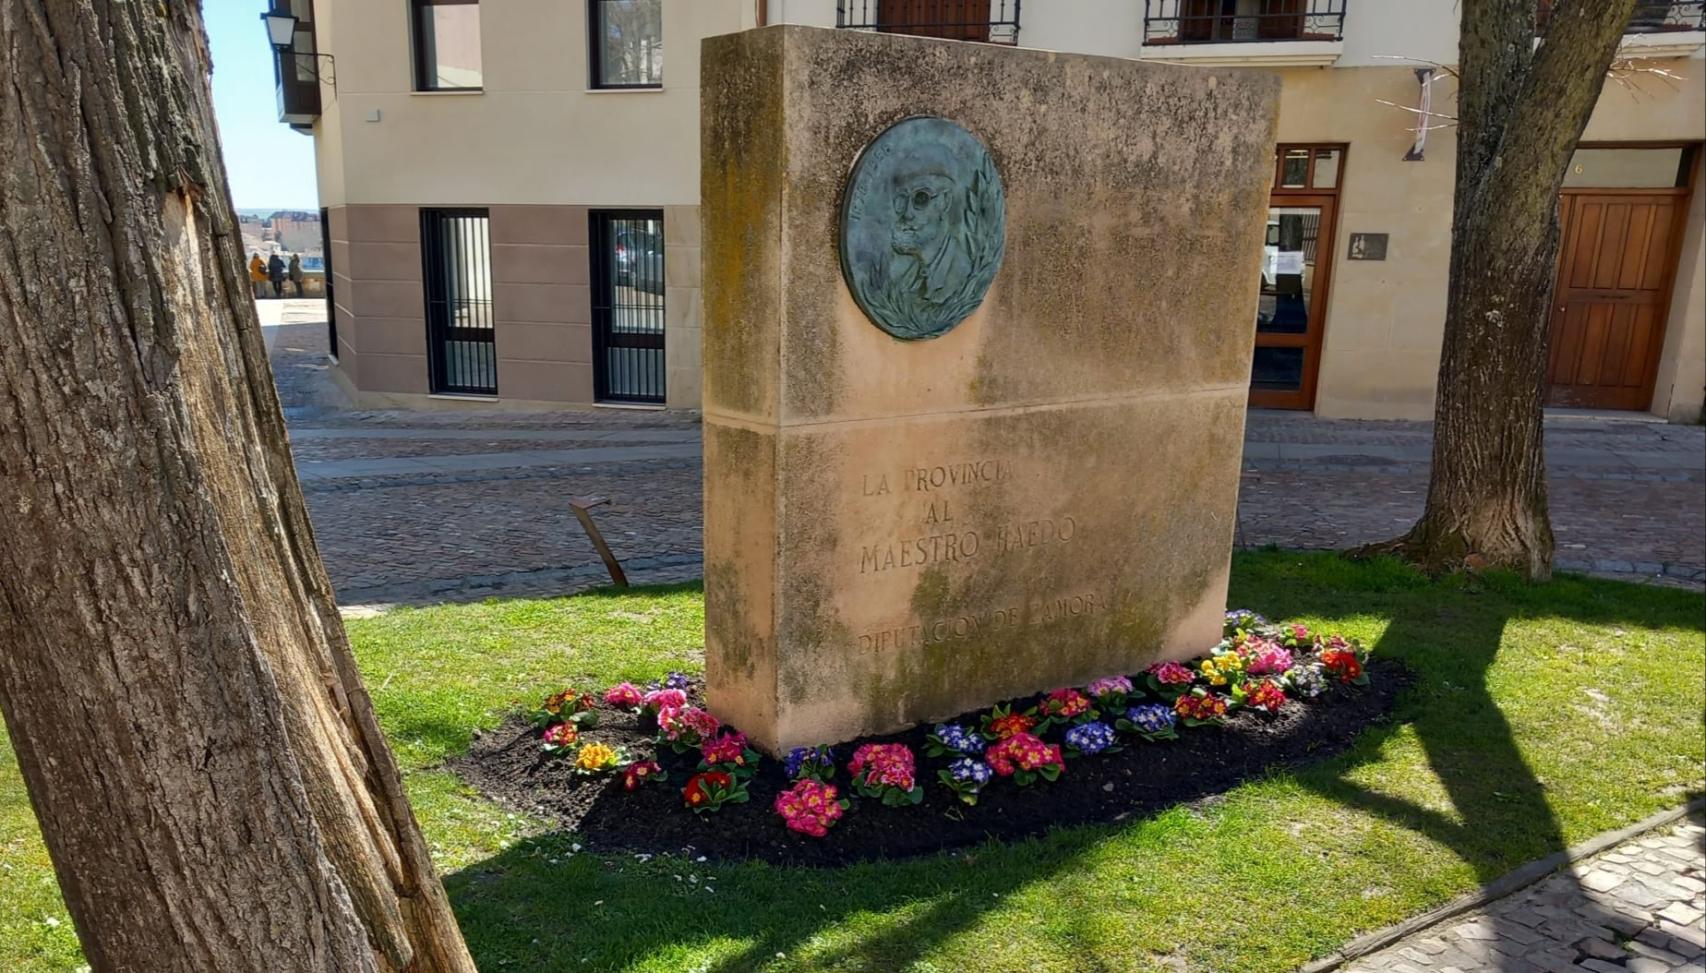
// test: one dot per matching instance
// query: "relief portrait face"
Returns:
(923, 205)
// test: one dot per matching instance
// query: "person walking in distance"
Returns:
(275, 273)
(295, 273)
(258, 274)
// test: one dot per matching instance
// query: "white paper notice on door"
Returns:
(1288, 262)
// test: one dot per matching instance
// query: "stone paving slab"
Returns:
(1638, 908)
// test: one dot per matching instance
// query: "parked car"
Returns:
(639, 261)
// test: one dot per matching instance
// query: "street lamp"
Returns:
(281, 31)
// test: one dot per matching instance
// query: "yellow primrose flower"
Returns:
(594, 757)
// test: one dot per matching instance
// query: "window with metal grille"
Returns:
(461, 342)
(627, 305)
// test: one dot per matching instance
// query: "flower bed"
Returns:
(648, 770)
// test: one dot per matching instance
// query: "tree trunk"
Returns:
(1521, 111)
(202, 758)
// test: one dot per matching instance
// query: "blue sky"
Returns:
(269, 165)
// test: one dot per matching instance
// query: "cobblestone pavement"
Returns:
(413, 506)
(1635, 909)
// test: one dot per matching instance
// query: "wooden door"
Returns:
(1280, 20)
(1198, 20)
(961, 20)
(1609, 306)
(1291, 315)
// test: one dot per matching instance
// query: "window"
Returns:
(457, 253)
(447, 45)
(627, 43)
(1307, 168)
(627, 306)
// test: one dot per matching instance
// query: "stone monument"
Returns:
(978, 326)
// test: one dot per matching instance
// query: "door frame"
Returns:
(1326, 247)
(1684, 195)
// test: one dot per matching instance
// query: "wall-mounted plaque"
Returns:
(1368, 246)
(923, 227)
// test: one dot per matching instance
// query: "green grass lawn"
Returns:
(1541, 716)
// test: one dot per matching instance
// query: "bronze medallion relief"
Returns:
(923, 227)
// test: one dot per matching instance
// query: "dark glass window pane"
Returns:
(1277, 369)
(629, 39)
(447, 45)
(1294, 173)
(1288, 269)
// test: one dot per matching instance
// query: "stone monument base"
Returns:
(1038, 494)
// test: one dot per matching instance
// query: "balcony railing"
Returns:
(1240, 21)
(1650, 17)
(990, 21)
(1664, 16)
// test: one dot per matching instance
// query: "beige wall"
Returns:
(682, 306)
(537, 133)
(379, 283)
(1679, 392)
(541, 303)
(539, 148)
(538, 141)
(1385, 319)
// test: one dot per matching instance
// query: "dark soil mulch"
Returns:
(507, 765)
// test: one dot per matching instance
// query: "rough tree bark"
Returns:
(1521, 111)
(205, 765)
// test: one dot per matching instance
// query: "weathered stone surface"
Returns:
(898, 531)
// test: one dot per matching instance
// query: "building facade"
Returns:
(511, 191)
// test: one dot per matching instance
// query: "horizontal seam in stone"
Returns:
(762, 425)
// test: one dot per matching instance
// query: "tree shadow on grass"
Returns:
(1503, 818)
(624, 911)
